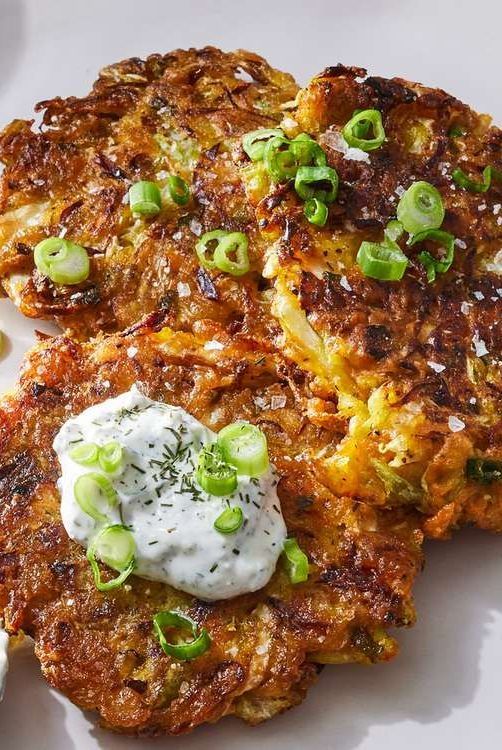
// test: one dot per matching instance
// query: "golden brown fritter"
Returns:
(99, 648)
(415, 366)
(142, 120)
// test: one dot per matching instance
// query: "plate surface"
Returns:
(444, 689)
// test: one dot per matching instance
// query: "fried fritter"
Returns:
(99, 648)
(415, 366)
(142, 120)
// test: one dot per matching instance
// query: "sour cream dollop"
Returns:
(159, 500)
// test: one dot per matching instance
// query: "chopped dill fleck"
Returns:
(138, 468)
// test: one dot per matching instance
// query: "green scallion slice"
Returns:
(434, 265)
(254, 143)
(214, 474)
(230, 254)
(244, 446)
(473, 186)
(357, 130)
(484, 470)
(94, 493)
(307, 151)
(206, 246)
(456, 131)
(230, 521)
(383, 261)
(297, 562)
(145, 198)
(316, 212)
(186, 650)
(283, 157)
(279, 159)
(317, 182)
(420, 208)
(179, 191)
(114, 545)
(62, 261)
(111, 457)
(85, 454)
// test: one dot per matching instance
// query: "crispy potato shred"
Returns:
(374, 396)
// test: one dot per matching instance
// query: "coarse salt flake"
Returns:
(183, 289)
(213, 345)
(436, 366)
(344, 282)
(132, 351)
(479, 345)
(455, 424)
(277, 402)
(195, 227)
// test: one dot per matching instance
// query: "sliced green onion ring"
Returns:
(420, 208)
(145, 198)
(233, 243)
(114, 545)
(484, 470)
(307, 152)
(244, 446)
(94, 493)
(227, 244)
(254, 143)
(282, 157)
(434, 265)
(111, 457)
(384, 261)
(456, 131)
(62, 261)
(85, 454)
(203, 247)
(183, 651)
(362, 120)
(297, 562)
(316, 212)
(214, 474)
(230, 521)
(489, 174)
(361, 129)
(317, 182)
(279, 159)
(179, 191)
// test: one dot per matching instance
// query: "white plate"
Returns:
(443, 690)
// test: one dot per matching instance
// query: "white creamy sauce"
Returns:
(4, 662)
(170, 516)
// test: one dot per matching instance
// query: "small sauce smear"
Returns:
(160, 501)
